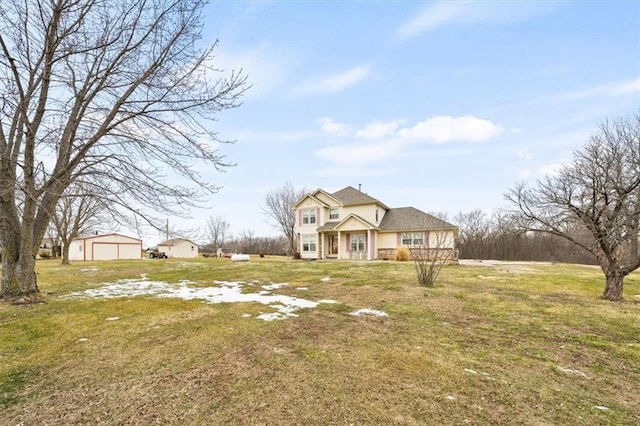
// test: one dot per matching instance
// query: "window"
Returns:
(80, 247)
(333, 214)
(357, 242)
(376, 214)
(308, 216)
(412, 239)
(309, 242)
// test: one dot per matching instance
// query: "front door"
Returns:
(333, 244)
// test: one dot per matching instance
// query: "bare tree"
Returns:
(119, 90)
(474, 228)
(598, 192)
(278, 206)
(217, 231)
(246, 239)
(429, 257)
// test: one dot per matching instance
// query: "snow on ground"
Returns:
(222, 292)
(367, 311)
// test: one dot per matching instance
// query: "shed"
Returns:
(105, 247)
(179, 247)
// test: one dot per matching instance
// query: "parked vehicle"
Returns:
(157, 254)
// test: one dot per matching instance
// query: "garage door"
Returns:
(130, 251)
(105, 251)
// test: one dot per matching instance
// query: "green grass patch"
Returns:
(509, 344)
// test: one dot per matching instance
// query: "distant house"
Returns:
(179, 247)
(105, 247)
(349, 224)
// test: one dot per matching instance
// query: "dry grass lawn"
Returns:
(530, 345)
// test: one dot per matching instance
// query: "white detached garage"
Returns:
(179, 247)
(105, 247)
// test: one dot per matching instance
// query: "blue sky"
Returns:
(438, 105)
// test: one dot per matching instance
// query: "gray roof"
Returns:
(409, 219)
(175, 241)
(327, 226)
(350, 196)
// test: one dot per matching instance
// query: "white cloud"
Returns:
(378, 130)
(523, 173)
(333, 83)
(443, 13)
(445, 129)
(333, 127)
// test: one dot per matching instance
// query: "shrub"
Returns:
(296, 255)
(261, 254)
(44, 254)
(402, 254)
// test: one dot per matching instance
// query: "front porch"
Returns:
(352, 245)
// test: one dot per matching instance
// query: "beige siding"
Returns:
(367, 212)
(105, 247)
(322, 197)
(182, 249)
(387, 240)
(441, 239)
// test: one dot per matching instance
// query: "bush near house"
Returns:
(402, 254)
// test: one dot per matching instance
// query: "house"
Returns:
(349, 224)
(105, 247)
(179, 247)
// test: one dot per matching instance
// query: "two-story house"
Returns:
(349, 224)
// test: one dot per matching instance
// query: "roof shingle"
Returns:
(410, 219)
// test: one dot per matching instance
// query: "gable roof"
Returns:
(175, 241)
(350, 196)
(410, 219)
(312, 196)
(329, 226)
(92, 236)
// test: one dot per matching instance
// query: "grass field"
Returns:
(509, 344)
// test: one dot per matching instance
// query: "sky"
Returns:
(441, 105)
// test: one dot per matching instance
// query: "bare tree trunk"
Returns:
(614, 285)
(65, 251)
(18, 274)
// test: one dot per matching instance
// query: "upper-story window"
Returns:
(376, 214)
(308, 216)
(412, 239)
(333, 214)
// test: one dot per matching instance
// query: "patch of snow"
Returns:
(274, 286)
(600, 407)
(83, 339)
(571, 372)
(92, 269)
(246, 315)
(325, 279)
(468, 370)
(451, 398)
(302, 288)
(328, 301)
(112, 319)
(367, 311)
(223, 292)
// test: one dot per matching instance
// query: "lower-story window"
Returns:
(309, 242)
(357, 242)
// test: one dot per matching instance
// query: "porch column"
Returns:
(339, 246)
(368, 247)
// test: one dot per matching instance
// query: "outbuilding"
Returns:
(179, 247)
(105, 247)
